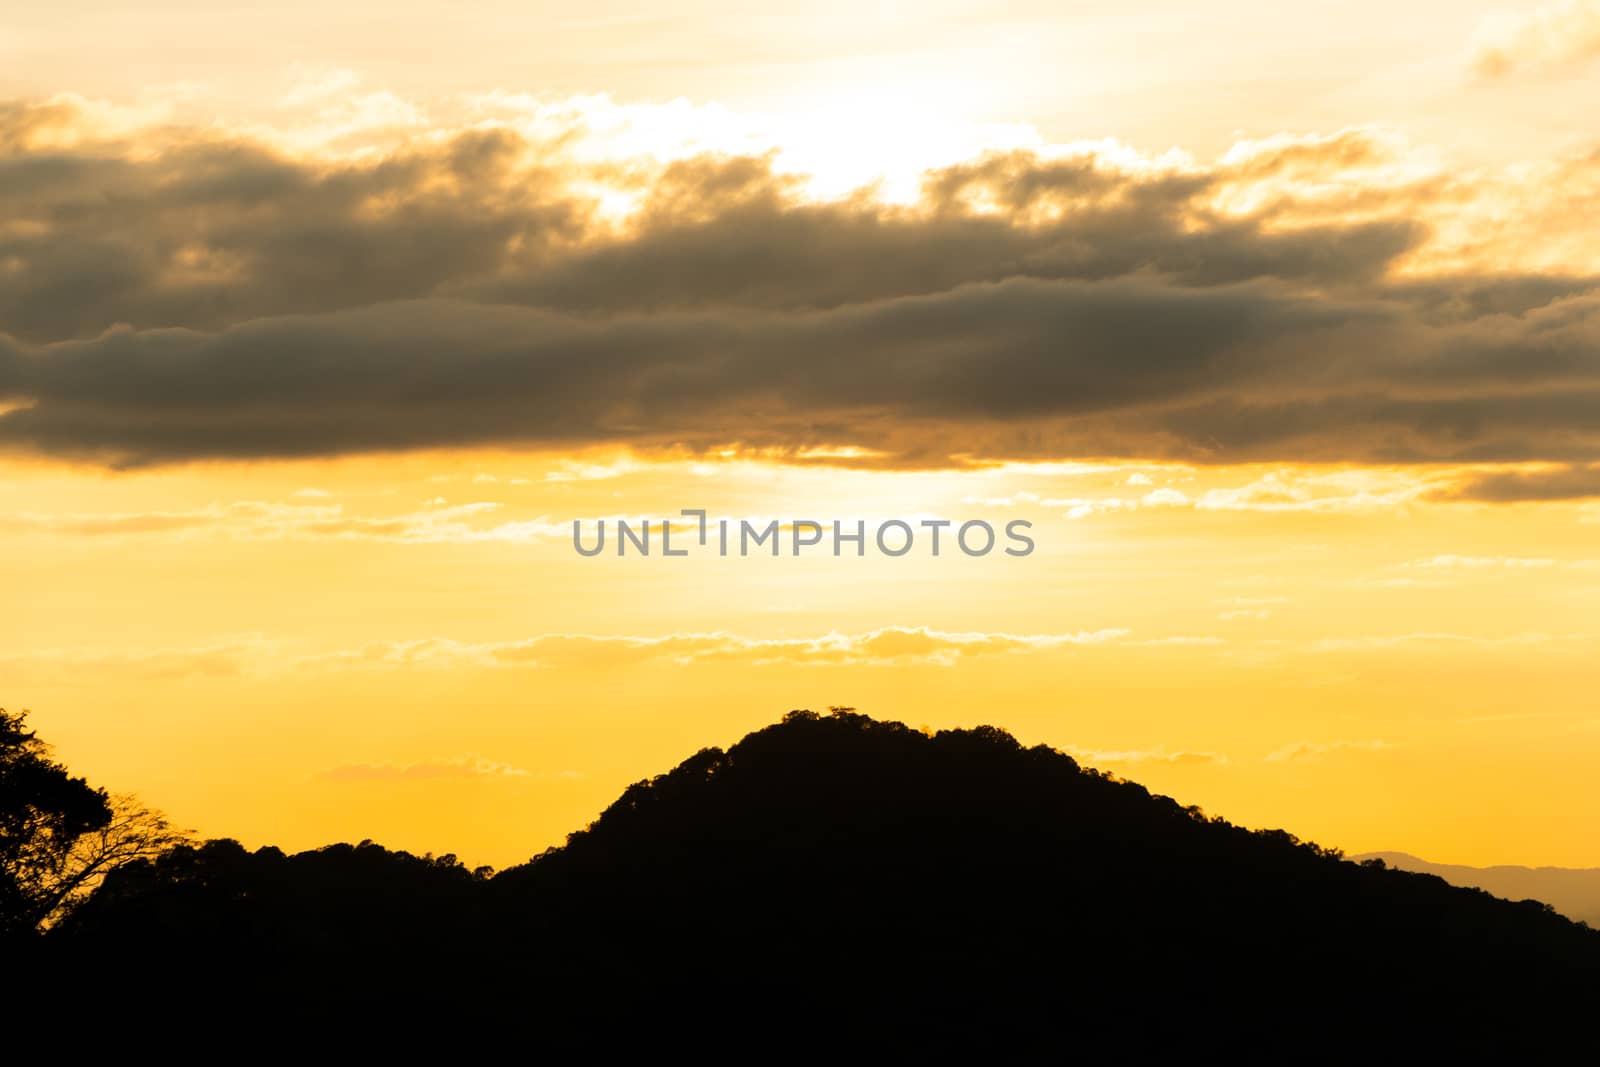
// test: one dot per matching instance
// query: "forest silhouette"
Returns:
(833, 882)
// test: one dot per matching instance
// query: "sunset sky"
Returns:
(320, 324)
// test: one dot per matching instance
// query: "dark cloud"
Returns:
(218, 299)
(1019, 368)
(211, 232)
(771, 255)
(214, 232)
(1462, 299)
(1516, 487)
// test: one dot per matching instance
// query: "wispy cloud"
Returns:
(1444, 639)
(222, 658)
(1275, 491)
(890, 645)
(437, 522)
(1312, 750)
(1450, 562)
(1556, 37)
(1194, 640)
(1095, 757)
(427, 770)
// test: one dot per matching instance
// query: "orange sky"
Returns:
(308, 363)
(409, 649)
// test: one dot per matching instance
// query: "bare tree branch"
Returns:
(135, 832)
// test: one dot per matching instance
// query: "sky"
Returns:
(321, 325)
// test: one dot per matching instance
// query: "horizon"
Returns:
(1278, 330)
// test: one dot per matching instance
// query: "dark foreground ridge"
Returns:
(837, 881)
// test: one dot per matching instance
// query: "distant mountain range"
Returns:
(1572, 891)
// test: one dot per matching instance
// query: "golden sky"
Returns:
(319, 327)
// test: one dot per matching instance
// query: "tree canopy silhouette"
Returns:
(59, 836)
(835, 877)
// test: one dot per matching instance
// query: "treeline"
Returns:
(834, 878)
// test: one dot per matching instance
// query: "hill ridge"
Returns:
(876, 877)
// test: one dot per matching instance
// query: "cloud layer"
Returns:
(1555, 37)
(174, 295)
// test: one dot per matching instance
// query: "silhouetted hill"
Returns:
(1572, 891)
(848, 884)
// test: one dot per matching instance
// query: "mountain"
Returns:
(1574, 892)
(838, 885)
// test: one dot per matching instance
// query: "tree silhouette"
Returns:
(59, 836)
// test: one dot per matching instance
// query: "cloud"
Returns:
(224, 658)
(1288, 491)
(1448, 562)
(175, 294)
(107, 524)
(1275, 491)
(258, 520)
(313, 85)
(429, 770)
(1575, 482)
(1534, 639)
(1311, 750)
(1158, 755)
(1388, 583)
(888, 646)
(1080, 508)
(257, 656)
(1015, 370)
(1556, 37)
(1165, 498)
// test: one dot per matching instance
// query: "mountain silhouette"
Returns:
(838, 884)
(1572, 891)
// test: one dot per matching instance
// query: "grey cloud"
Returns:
(211, 231)
(212, 298)
(214, 232)
(1465, 299)
(739, 242)
(830, 255)
(1021, 368)
(1515, 487)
